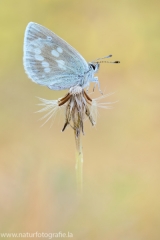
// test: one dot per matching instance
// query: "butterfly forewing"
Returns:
(50, 61)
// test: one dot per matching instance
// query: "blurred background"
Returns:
(121, 199)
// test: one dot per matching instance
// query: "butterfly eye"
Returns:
(93, 66)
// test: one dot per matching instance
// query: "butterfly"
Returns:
(50, 61)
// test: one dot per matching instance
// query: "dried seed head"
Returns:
(78, 105)
(75, 90)
(76, 108)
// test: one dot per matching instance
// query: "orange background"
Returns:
(121, 197)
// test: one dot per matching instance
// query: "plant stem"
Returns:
(79, 165)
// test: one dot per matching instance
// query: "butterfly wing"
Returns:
(50, 61)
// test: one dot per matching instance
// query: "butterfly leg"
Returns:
(87, 87)
(94, 86)
(95, 80)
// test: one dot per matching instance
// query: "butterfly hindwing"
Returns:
(50, 61)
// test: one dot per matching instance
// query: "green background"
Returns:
(121, 199)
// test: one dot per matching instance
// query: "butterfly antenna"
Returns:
(97, 60)
(102, 58)
(108, 62)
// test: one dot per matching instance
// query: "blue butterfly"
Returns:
(52, 62)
